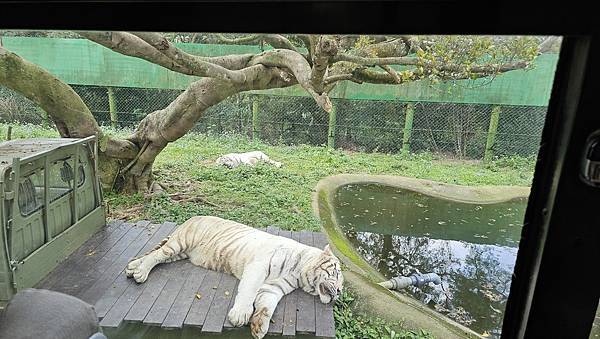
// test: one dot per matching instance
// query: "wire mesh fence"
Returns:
(465, 131)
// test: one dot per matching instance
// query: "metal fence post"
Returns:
(408, 125)
(331, 127)
(112, 107)
(255, 105)
(491, 136)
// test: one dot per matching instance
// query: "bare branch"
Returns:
(199, 66)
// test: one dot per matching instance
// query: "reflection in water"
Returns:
(471, 247)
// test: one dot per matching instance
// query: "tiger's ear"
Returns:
(327, 251)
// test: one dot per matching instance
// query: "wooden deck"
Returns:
(175, 295)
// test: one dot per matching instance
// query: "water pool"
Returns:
(472, 247)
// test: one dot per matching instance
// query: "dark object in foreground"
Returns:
(34, 313)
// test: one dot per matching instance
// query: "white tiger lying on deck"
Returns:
(268, 266)
(233, 160)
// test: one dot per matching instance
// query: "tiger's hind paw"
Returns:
(259, 323)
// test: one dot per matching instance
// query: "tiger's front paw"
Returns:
(239, 316)
(136, 270)
(259, 323)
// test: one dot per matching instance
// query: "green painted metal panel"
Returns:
(44, 260)
(82, 62)
(44, 234)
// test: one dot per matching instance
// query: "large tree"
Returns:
(316, 63)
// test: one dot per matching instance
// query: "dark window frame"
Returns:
(548, 299)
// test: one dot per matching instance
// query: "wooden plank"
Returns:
(80, 276)
(121, 283)
(218, 309)
(325, 327)
(227, 323)
(184, 300)
(105, 277)
(206, 292)
(63, 269)
(289, 313)
(178, 272)
(152, 287)
(305, 315)
(121, 307)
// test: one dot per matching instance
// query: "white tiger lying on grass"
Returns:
(233, 160)
(268, 266)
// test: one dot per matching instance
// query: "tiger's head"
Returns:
(226, 161)
(328, 279)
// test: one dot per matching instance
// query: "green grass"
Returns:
(264, 195)
(351, 325)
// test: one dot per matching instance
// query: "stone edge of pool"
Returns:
(362, 278)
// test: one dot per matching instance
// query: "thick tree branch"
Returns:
(129, 44)
(309, 44)
(240, 40)
(325, 49)
(391, 72)
(279, 41)
(376, 61)
(340, 77)
(275, 40)
(298, 65)
(452, 72)
(198, 66)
